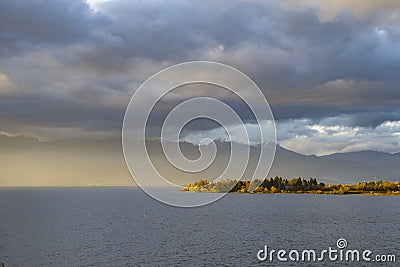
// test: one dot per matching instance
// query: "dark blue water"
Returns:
(125, 227)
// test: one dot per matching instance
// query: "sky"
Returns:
(329, 69)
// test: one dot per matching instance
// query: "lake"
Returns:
(125, 227)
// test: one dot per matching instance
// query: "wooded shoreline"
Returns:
(278, 185)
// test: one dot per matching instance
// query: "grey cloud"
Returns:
(366, 115)
(76, 66)
(25, 25)
(39, 112)
(159, 30)
(329, 10)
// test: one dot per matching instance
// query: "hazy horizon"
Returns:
(89, 162)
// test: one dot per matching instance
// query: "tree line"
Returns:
(295, 185)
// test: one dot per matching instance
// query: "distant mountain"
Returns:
(26, 161)
(336, 168)
(339, 167)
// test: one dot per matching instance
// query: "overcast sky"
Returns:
(329, 69)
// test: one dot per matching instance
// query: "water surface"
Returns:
(125, 227)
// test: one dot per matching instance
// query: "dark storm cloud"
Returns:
(25, 25)
(47, 112)
(86, 60)
(159, 30)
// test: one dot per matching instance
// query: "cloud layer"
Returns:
(69, 68)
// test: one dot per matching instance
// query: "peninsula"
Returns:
(296, 186)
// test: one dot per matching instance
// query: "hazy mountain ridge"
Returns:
(339, 167)
(27, 161)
